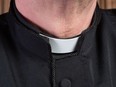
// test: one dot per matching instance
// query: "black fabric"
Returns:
(26, 59)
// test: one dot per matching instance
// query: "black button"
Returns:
(65, 83)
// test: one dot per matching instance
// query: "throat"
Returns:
(69, 23)
(59, 18)
(67, 27)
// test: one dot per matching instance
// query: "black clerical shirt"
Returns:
(26, 59)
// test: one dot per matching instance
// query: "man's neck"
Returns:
(60, 18)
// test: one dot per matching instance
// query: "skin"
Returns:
(60, 18)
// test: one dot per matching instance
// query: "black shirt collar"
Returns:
(27, 35)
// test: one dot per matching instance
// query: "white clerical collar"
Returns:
(62, 45)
